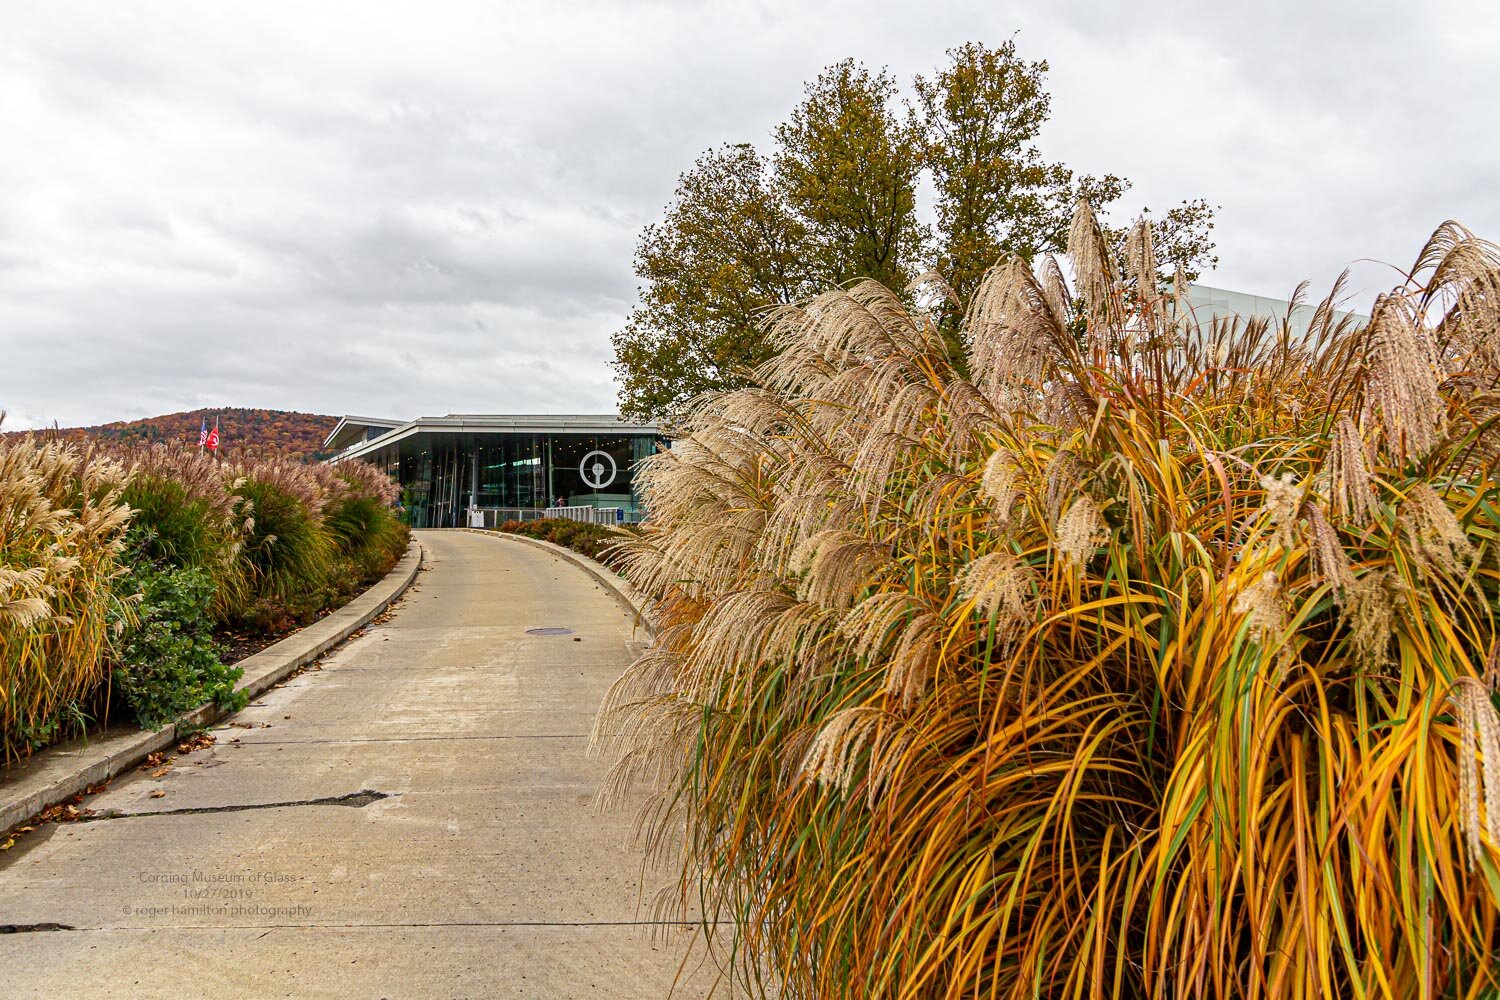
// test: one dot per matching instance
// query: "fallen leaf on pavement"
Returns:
(197, 742)
(63, 813)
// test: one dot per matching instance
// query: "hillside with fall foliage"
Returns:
(263, 431)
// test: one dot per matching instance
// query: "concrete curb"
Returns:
(611, 581)
(60, 772)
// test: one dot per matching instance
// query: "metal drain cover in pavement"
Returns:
(549, 631)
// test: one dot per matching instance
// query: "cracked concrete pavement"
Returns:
(412, 818)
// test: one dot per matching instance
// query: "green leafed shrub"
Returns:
(167, 663)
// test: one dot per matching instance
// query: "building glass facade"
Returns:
(446, 472)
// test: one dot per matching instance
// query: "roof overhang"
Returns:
(351, 428)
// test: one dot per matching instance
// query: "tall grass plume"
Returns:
(1133, 654)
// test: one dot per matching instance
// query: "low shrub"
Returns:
(167, 663)
(593, 540)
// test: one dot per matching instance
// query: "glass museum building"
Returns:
(465, 468)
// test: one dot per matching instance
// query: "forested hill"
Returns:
(284, 431)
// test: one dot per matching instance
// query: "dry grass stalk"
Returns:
(1264, 608)
(1346, 472)
(1001, 483)
(1479, 748)
(1412, 411)
(1001, 586)
(1282, 506)
(1435, 534)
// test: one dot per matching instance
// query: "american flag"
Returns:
(203, 434)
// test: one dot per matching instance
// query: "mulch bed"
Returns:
(235, 646)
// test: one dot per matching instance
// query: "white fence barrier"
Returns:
(588, 515)
(493, 517)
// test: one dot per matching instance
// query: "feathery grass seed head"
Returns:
(1283, 499)
(1000, 585)
(1263, 607)
(1346, 473)
(1434, 534)
(1479, 746)
(1081, 531)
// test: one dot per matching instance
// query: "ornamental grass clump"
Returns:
(1131, 655)
(62, 532)
(184, 517)
(358, 518)
(287, 558)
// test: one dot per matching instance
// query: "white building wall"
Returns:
(1209, 302)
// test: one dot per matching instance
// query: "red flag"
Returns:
(213, 437)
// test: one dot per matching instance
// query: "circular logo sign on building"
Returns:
(598, 469)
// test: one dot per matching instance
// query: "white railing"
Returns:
(493, 517)
(588, 515)
(496, 516)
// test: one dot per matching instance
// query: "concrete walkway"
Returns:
(473, 866)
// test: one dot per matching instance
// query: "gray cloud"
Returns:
(380, 208)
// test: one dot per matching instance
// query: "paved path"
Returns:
(484, 871)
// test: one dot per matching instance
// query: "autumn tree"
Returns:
(847, 165)
(995, 194)
(729, 247)
(837, 201)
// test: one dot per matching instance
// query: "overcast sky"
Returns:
(414, 209)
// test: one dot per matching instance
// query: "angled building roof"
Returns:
(357, 436)
(350, 429)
